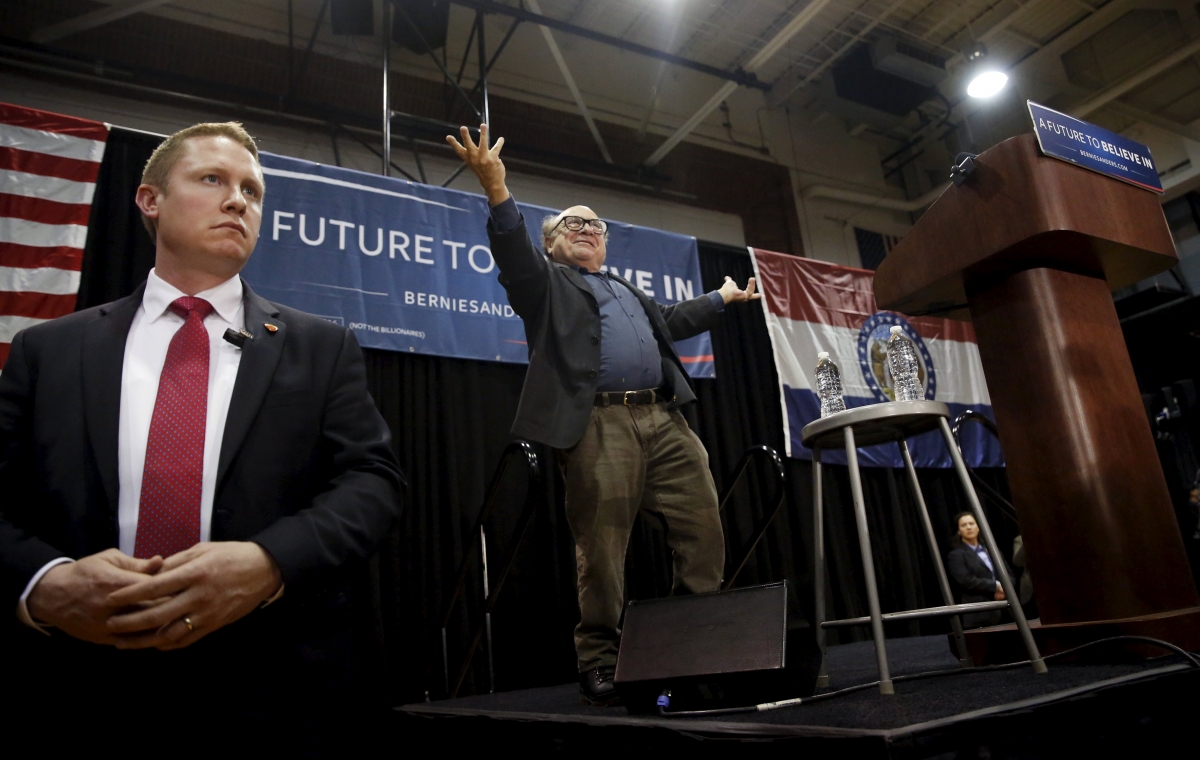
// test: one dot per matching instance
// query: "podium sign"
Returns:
(1083, 144)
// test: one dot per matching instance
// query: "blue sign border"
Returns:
(1091, 147)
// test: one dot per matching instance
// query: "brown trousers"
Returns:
(633, 458)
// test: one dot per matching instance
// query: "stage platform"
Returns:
(1077, 709)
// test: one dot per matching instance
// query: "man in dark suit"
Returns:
(191, 472)
(603, 387)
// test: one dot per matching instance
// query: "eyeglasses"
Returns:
(577, 223)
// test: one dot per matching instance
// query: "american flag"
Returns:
(48, 168)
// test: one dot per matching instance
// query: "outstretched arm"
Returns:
(689, 318)
(523, 270)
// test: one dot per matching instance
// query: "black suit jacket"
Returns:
(975, 582)
(562, 325)
(306, 471)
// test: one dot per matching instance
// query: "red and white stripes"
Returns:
(48, 168)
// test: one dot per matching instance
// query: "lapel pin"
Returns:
(270, 327)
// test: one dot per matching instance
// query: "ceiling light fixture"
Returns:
(986, 79)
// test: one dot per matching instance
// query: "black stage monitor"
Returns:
(724, 649)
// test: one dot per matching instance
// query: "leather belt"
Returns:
(631, 398)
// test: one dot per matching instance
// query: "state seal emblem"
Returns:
(872, 355)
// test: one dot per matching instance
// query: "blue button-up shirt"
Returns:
(629, 354)
(629, 357)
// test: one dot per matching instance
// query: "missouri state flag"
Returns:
(814, 306)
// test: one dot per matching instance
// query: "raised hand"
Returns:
(484, 161)
(198, 591)
(731, 292)
(74, 596)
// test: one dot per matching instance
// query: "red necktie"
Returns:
(169, 510)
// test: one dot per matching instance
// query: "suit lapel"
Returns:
(980, 566)
(103, 360)
(576, 279)
(260, 357)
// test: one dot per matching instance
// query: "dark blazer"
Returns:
(306, 470)
(562, 325)
(974, 581)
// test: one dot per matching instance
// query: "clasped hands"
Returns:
(112, 598)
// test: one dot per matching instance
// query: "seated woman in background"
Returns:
(973, 569)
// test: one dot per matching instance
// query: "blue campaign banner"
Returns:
(407, 266)
(1092, 147)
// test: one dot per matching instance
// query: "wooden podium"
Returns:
(1028, 249)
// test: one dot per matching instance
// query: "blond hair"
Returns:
(167, 154)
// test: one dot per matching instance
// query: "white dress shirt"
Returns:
(150, 334)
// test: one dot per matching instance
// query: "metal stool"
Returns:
(882, 423)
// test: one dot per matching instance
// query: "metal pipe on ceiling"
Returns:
(1101, 15)
(1134, 80)
(57, 66)
(92, 19)
(1001, 26)
(776, 43)
(387, 95)
(485, 108)
(1185, 131)
(570, 80)
(741, 77)
(873, 201)
(779, 97)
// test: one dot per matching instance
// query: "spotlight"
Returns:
(986, 79)
(985, 84)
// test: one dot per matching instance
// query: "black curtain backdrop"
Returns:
(450, 420)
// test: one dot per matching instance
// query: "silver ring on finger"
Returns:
(188, 622)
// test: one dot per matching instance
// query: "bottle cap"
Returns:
(822, 355)
(897, 329)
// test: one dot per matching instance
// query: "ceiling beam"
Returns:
(1135, 80)
(1024, 38)
(737, 76)
(999, 27)
(874, 201)
(570, 80)
(1154, 120)
(778, 94)
(773, 46)
(91, 20)
(1028, 71)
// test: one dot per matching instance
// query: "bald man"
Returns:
(603, 388)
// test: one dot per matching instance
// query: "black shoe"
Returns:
(596, 686)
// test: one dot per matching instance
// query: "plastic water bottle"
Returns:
(829, 385)
(904, 364)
